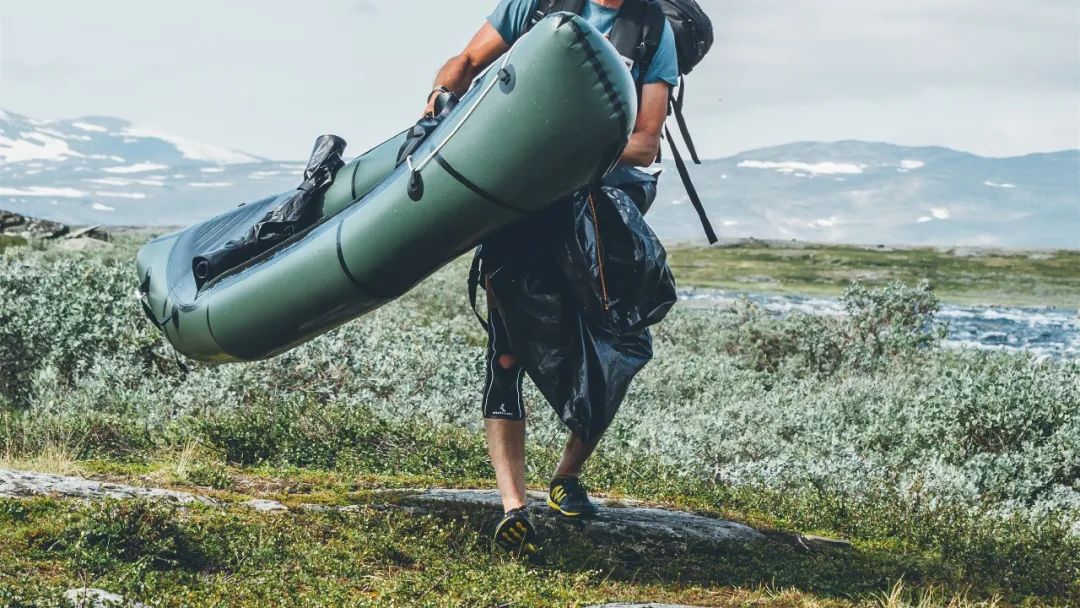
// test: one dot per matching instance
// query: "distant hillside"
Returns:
(98, 169)
(861, 192)
(105, 170)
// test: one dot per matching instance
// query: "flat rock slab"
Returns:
(96, 598)
(626, 516)
(18, 484)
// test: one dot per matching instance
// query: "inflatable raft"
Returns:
(553, 114)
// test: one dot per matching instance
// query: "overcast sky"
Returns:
(995, 77)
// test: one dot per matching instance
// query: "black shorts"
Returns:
(502, 387)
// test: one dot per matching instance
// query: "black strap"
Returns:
(691, 191)
(475, 272)
(636, 35)
(546, 7)
(676, 104)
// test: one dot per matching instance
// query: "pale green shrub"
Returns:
(859, 406)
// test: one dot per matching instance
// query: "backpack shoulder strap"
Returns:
(546, 7)
(637, 31)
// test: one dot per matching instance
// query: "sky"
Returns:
(994, 77)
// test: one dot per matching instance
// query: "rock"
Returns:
(812, 543)
(96, 598)
(630, 520)
(19, 484)
(90, 232)
(627, 518)
(265, 506)
(21, 225)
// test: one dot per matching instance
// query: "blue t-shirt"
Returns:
(511, 18)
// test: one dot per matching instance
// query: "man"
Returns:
(504, 410)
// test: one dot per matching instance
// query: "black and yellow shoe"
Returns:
(570, 498)
(516, 534)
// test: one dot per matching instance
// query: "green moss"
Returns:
(8, 240)
(1049, 278)
(197, 556)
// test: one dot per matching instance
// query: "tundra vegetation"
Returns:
(961, 275)
(953, 472)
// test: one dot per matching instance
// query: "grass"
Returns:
(1047, 278)
(336, 420)
(370, 557)
(378, 557)
(7, 240)
(56, 459)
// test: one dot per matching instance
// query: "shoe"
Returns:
(570, 498)
(516, 534)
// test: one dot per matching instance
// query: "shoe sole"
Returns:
(555, 507)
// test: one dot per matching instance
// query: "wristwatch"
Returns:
(439, 89)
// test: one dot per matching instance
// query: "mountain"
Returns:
(862, 192)
(102, 170)
(105, 170)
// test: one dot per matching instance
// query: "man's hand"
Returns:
(645, 141)
(456, 75)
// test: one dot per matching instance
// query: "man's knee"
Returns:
(508, 361)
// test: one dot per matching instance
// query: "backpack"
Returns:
(636, 36)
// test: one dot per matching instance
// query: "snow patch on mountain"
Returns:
(85, 126)
(129, 195)
(34, 146)
(136, 168)
(194, 150)
(803, 168)
(42, 191)
(210, 184)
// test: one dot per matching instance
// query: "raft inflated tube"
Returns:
(551, 115)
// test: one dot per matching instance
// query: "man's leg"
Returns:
(506, 447)
(575, 454)
(504, 413)
(566, 494)
(504, 423)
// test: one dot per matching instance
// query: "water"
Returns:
(1045, 331)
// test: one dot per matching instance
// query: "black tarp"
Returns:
(292, 213)
(577, 289)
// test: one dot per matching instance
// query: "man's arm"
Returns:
(645, 141)
(456, 75)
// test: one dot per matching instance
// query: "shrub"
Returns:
(64, 315)
(890, 325)
(862, 420)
